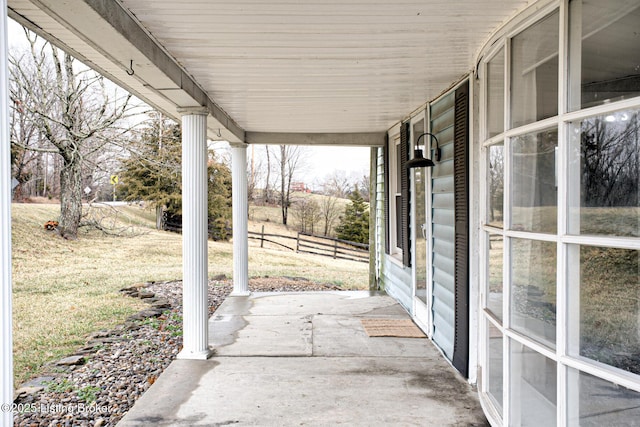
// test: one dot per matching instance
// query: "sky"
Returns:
(319, 162)
(351, 160)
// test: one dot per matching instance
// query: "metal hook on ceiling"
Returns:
(130, 69)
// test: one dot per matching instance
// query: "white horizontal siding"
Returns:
(397, 282)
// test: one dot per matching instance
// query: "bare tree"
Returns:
(267, 185)
(256, 175)
(337, 184)
(307, 211)
(24, 161)
(251, 175)
(330, 212)
(290, 158)
(363, 186)
(74, 112)
(496, 182)
(611, 161)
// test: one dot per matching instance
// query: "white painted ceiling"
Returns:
(289, 66)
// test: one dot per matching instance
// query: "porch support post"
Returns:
(6, 336)
(194, 234)
(240, 220)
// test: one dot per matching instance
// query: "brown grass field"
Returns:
(63, 290)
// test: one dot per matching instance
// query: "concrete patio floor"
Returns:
(304, 359)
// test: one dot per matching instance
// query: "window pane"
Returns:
(495, 363)
(533, 290)
(601, 403)
(496, 185)
(419, 179)
(533, 387)
(606, 51)
(495, 94)
(534, 188)
(609, 286)
(608, 175)
(534, 72)
(496, 249)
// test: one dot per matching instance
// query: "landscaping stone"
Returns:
(71, 360)
(145, 294)
(145, 314)
(39, 381)
(126, 360)
(161, 304)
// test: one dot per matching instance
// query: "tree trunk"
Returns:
(267, 186)
(159, 218)
(70, 198)
(284, 199)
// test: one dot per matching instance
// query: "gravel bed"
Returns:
(99, 383)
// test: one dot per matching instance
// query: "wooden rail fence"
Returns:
(318, 245)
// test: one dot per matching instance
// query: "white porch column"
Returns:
(195, 310)
(6, 337)
(240, 220)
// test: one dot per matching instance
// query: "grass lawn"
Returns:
(63, 290)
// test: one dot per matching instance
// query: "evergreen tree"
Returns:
(153, 173)
(220, 197)
(354, 224)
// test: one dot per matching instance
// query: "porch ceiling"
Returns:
(276, 68)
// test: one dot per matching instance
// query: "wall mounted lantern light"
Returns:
(418, 160)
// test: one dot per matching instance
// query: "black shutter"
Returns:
(461, 188)
(387, 194)
(405, 195)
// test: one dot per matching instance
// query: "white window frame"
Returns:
(394, 249)
(566, 378)
(422, 312)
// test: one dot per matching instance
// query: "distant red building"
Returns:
(300, 186)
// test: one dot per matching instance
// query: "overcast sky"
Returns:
(351, 160)
(319, 162)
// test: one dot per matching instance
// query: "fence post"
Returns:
(298, 242)
(262, 237)
(335, 249)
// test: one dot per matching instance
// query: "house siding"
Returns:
(392, 277)
(397, 282)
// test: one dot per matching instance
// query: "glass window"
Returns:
(609, 308)
(596, 402)
(533, 387)
(496, 185)
(419, 179)
(494, 336)
(534, 72)
(494, 296)
(534, 182)
(533, 290)
(606, 175)
(605, 51)
(495, 94)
